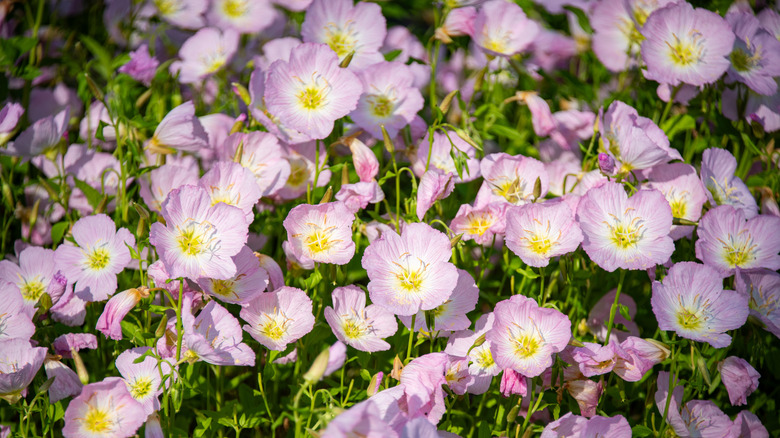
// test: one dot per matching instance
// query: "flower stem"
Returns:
(613, 309)
(411, 338)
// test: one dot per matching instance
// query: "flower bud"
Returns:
(318, 368)
(606, 164)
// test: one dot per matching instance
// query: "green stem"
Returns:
(613, 309)
(179, 327)
(672, 378)
(411, 338)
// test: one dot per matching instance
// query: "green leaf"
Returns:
(58, 230)
(641, 431)
(582, 19)
(103, 56)
(624, 312)
(528, 272)
(391, 55)
(507, 132)
(678, 123)
(93, 195)
(365, 374)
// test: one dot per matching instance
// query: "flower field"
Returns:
(389, 218)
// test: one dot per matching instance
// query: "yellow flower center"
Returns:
(512, 190)
(320, 240)
(273, 330)
(689, 320)
(311, 98)
(540, 244)
(353, 329)
(740, 250)
(410, 281)
(299, 172)
(343, 43)
(97, 421)
(98, 259)
(743, 61)
(32, 290)
(381, 105)
(223, 288)
(235, 8)
(190, 242)
(141, 388)
(526, 346)
(626, 235)
(478, 223)
(679, 207)
(166, 7)
(684, 53)
(485, 358)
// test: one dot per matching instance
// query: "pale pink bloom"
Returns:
(33, 276)
(728, 241)
(244, 16)
(453, 314)
(15, 322)
(512, 383)
(501, 28)
(278, 318)
(459, 22)
(259, 111)
(41, 136)
(481, 367)
(19, 364)
(740, 379)
(364, 160)
(249, 282)
(748, 425)
(233, 184)
(100, 253)
(104, 409)
(435, 185)
(204, 53)
(116, 309)
(9, 118)
(310, 92)
(541, 116)
(422, 379)
(278, 48)
(198, 239)
(574, 426)
(636, 356)
(322, 232)
(723, 187)
(357, 196)
(66, 381)
(586, 393)
(595, 359)
(263, 155)
(337, 354)
(214, 336)
(695, 418)
(363, 420)
(275, 274)
(141, 66)
(538, 232)
(303, 170)
(762, 286)
(162, 180)
(563, 173)
(143, 378)
(360, 326)
(180, 130)
(346, 29)
(187, 14)
(510, 179)
(63, 344)
(410, 272)
(445, 145)
(482, 224)
(683, 190)
(623, 232)
(525, 336)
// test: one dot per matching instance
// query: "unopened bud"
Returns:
(344, 175)
(398, 368)
(317, 368)
(81, 370)
(701, 365)
(239, 152)
(575, 343)
(606, 164)
(93, 87)
(465, 137)
(430, 319)
(44, 303)
(388, 142)
(238, 124)
(480, 340)
(480, 79)
(345, 62)
(444, 106)
(326, 197)
(663, 349)
(101, 207)
(241, 92)
(373, 385)
(143, 98)
(537, 188)
(512, 415)
(46, 385)
(455, 240)
(161, 327)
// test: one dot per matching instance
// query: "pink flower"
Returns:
(435, 184)
(763, 289)
(214, 336)
(453, 314)
(691, 301)
(357, 196)
(15, 322)
(687, 45)
(162, 180)
(9, 118)
(42, 135)
(723, 187)
(204, 53)
(363, 419)
(740, 379)
(63, 344)
(141, 66)
(389, 98)
(66, 381)
(502, 29)
(198, 239)
(263, 155)
(525, 336)
(19, 365)
(696, 418)
(595, 359)
(100, 253)
(360, 326)
(512, 383)
(410, 272)
(183, 13)
(599, 315)
(116, 309)
(180, 130)
(364, 160)
(346, 29)
(636, 356)
(104, 408)
(748, 425)
(586, 393)
(754, 59)
(233, 184)
(683, 190)
(480, 224)
(278, 318)
(574, 426)
(310, 91)
(728, 241)
(32, 276)
(538, 232)
(444, 146)
(249, 282)
(422, 379)
(510, 179)
(459, 22)
(623, 232)
(143, 379)
(244, 16)
(322, 232)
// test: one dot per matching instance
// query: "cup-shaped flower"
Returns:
(691, 302)
(596, 359)
(19, 363)
(347, 28)
(525, 336)
(233, 184)
(465, 343)
(116, 309)
(686, 45)
(143, 378)
(635, 356)
(363, 419)
(9, 118)
(623, 232)
(263, 155)
(389, 99)
(249, 282)
(422, 380)
(40, 136)
(763, 289)
(66, 381)
(502, 28)
(410, 272)
(357, 196)
(100, 253)
(586, 393)
(310, 92)
(355, 324)
(574, 426)
(105, 409)
(683, 190)
(747, 424)
(364, 160)
(15, 322)
(538, 232)
(244, 16)
(754, 59)
(479, 224)
(214, 336)
(510, 179)
(198, 238)
(204, 53)
(322, 232)
(179, 130)
(63, 344)
(164, 179)
(728, 241)
(435, 184)
(278, 318)
(141, 66)
(452, 315)
(187, 14)
(740, 379)
(695, 418)
(723, 187)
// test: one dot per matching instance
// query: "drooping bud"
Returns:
(606, 164)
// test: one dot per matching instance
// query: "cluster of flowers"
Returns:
(329, 89)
